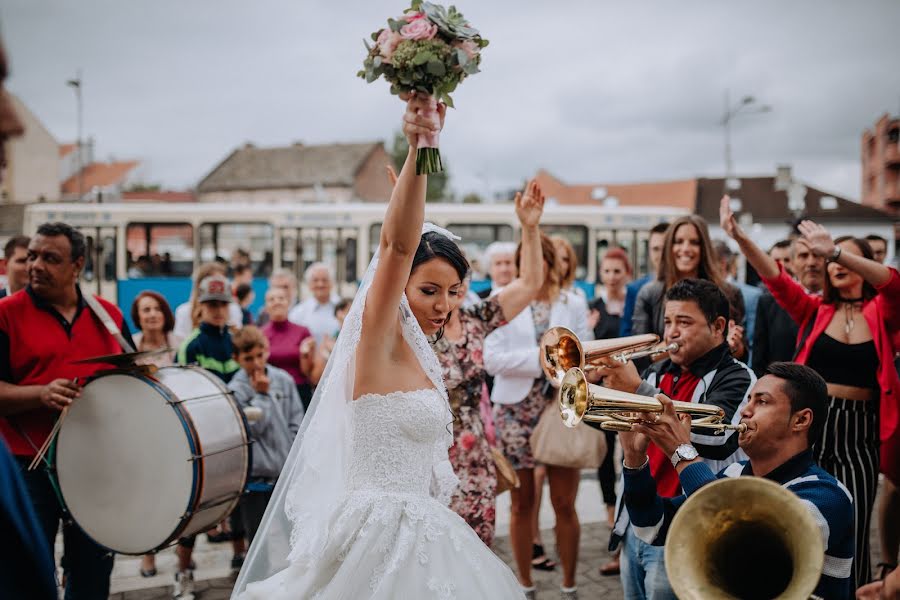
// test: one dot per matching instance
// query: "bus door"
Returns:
(99, 273)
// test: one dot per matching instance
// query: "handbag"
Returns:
(552, 443)
(506, 475)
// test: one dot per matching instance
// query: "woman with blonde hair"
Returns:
(521, 393)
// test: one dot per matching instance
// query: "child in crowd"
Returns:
(245, 296)
(209, 346)
(271, 390)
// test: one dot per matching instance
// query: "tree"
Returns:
(438, 189)
(472, 198)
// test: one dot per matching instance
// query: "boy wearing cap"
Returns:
(209, 345)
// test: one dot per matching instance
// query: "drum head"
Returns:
(123, 462)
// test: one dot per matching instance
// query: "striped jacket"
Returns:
(210, 347)
(826, 498)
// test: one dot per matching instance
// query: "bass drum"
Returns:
(142, 461)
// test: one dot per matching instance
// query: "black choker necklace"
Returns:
(851, 300)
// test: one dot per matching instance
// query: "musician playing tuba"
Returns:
(785, 415)
(700, 370)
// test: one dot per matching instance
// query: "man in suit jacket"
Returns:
(655, 248)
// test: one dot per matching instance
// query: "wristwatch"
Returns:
(836, 254)
(684, 452)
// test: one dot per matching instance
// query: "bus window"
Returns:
(87, 273)
(476, 237)
(108, 257)
(577, 235)
(230, 242)
(349, 248)
(159, 250)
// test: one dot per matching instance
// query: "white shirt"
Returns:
(318, 318)
(184, 325)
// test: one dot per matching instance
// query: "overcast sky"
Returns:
(594, 91)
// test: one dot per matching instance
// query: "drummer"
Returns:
(701, 370)
(42, 333)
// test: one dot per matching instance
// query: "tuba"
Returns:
(618, 411)
(727, 529)
(561, 350)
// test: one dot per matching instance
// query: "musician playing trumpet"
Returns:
(785, 415)
(702, 370)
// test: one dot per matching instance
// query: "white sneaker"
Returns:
(184, 585)
(569, 594)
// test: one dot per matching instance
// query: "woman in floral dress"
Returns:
(459, 350)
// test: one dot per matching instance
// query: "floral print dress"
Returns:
(516, 422)
(462, 364)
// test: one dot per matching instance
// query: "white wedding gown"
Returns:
(390, 539)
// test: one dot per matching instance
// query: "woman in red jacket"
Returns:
(845, 335)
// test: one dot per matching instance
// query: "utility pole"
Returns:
(75, 84)
(747, 106)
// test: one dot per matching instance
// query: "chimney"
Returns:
(783, 178)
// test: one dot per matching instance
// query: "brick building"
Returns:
(881, 165)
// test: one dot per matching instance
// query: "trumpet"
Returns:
(619, 411)
(561, 350)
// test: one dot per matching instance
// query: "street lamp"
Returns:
(75, 84)
(747, 106)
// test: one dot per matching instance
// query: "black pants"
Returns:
(306, 393)
(87, 565)
(606, 474)
(848, 450)
(253, 507)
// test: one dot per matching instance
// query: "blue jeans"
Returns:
(87, 565)
(643, 570)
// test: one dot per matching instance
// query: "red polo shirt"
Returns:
(37, 345)
(677, 386)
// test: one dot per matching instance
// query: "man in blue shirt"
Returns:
(655, 248)
(785, 415)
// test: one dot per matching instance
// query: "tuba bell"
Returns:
(561, 350)
(618, 411)
(723, 533)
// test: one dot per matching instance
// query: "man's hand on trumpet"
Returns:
(615, 375)
(668, 430)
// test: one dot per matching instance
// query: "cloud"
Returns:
(593, 91)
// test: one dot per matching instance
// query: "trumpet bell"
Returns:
(561, 350)
(573, 397)
(725, 530)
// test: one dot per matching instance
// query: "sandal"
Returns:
(539, 560)
(611, 568)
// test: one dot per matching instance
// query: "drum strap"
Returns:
(107, 321)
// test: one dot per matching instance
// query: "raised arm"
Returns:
(821, 244)
(764, 264)
(402, 227)
(518, 294)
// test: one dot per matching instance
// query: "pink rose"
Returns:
(387, 43)
(410, 17)
(419, 29)
(477, 356)
(469, 47)
(467, 440)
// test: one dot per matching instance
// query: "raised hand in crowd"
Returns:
(821, 244)
(735, 338)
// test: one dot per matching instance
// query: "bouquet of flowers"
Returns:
(429, 49)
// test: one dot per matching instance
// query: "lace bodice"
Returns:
(396, 440)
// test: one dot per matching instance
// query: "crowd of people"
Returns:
(806, 361)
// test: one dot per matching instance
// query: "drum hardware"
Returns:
(733, 523)
(619, 411)
(208, 454)
(39, 455)
(127, 359)
(561, 350)
(204, 397)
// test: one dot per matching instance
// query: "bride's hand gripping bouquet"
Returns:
(430, 49)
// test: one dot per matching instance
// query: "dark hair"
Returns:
(242, 291)
(805, 389)
(168, 318)
(18, 241)
(241, 268)
(342, 304)
(781, 245)
(434, 245)
(709, 298)
(874, 237)
(247, 338)
(830, 294)
(706, 269)
(75, 237)
(659, 228)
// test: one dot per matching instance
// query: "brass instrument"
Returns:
(618, 411)
(723, 533)
(561, 350)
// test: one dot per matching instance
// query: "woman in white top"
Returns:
(521, 393)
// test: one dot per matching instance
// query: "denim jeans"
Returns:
(87, 565)
(643, 570)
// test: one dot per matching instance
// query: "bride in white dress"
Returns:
(360, 510)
